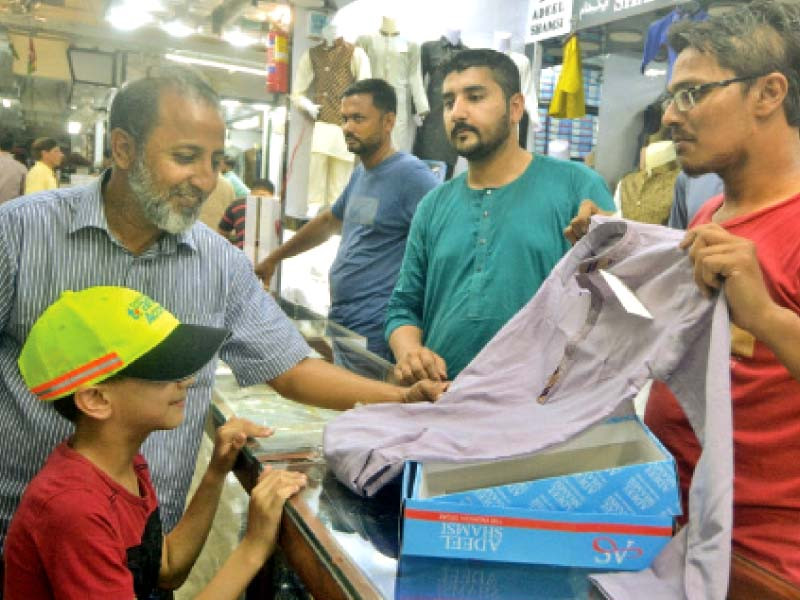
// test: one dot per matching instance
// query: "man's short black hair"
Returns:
(504, 72)
(7, 141)
(758, 38)
(263, 184)
(135, 107)
(42, 144)
(384, 98)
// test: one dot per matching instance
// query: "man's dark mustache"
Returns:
(462, 127)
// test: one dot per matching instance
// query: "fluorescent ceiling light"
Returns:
(191, 60)
(74, 127)
(229, 103)
(127, 18)
(178, 29)
(265, 107)
(238, 38)
(6, 103)
(248, 123)
(654, 72)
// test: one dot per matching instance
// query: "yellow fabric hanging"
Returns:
(568, 101)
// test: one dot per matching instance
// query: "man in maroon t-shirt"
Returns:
(734, 110)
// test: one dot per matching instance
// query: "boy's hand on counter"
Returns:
(267, 498)
(425, 391)
(229, 439)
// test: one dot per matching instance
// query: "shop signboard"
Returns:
(605, 499)
(547, 19)
(597, 12)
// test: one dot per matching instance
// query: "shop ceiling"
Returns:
(44, 99)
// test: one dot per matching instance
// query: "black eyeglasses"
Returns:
(686, 99)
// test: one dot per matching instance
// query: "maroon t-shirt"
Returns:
(79, 533)
(766, 405)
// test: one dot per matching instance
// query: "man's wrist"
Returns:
(215, 475)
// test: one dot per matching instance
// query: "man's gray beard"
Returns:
(156, 206)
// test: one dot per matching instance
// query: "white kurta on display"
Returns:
(397, 61)
(331, 162)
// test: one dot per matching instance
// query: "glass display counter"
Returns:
(343, 546)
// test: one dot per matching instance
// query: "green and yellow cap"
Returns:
(87, 336)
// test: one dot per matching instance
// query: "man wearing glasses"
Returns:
(734, 109)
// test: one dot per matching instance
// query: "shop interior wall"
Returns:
(624, 95)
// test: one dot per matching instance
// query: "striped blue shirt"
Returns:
(59, 240)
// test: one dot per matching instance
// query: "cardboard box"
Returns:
(605, 499)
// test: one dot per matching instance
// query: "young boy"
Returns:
(118, 365)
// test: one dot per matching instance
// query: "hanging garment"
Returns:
(398, 61)
(657, 34)
(528, 87)
(647, 197)
(431, 141)
(330, 69)
(568, 101)
(570, 358)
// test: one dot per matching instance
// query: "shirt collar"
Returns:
(89, 213)
(46, 166)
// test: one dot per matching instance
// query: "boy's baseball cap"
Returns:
(88, 336)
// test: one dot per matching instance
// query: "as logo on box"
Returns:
(609, 551)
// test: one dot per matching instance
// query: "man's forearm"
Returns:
(317, 231)
(319, 383)
(405, 338)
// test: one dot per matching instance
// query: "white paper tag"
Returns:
(626, 297)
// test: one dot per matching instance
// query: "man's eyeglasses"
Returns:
(687, 98)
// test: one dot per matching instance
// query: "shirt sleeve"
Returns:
(303, 76)
(406, 302)
(359, 64)
(264, 343)
(678, 214)
(226, 223)
(34, 181)
(421, 105)
(81, 552)
(8, 267)
(591, 186)
(340, 205)
(420, 181)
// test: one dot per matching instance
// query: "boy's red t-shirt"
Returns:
(766, 405)
(79, 534)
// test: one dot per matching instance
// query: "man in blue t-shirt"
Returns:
(481, 244)
(373, 215)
